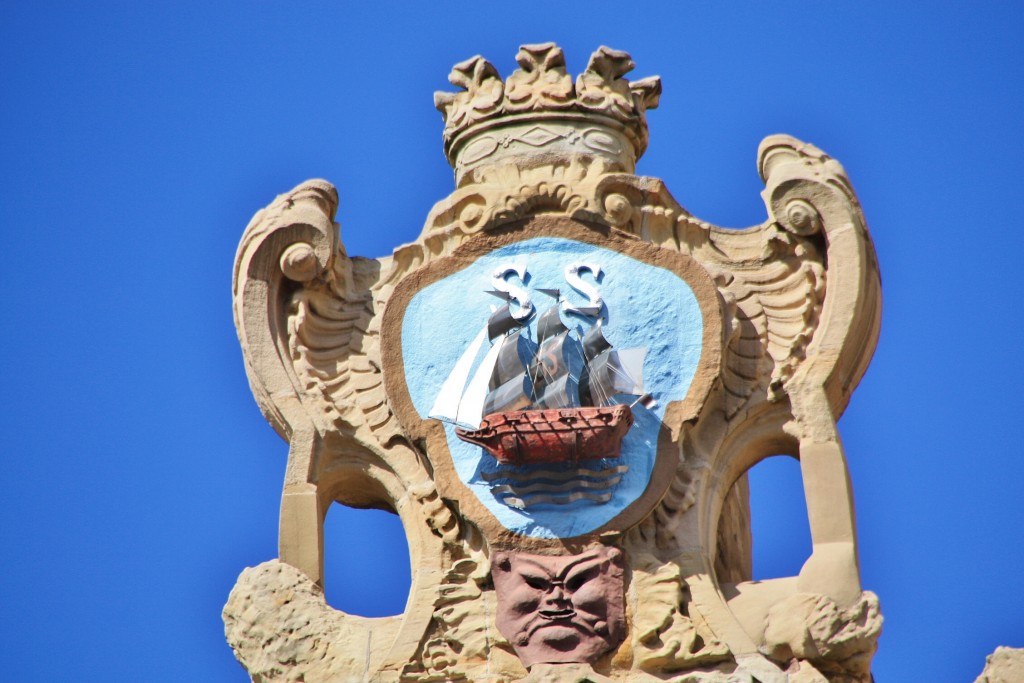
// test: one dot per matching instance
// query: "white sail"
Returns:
(614, 372)
(471, 409)
(632, 362)
(446, 405)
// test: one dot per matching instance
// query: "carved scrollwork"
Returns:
(335, 350)
(801, 218)
(618, 209)
(665, 638)
(503, 194)
(659, 529)
(776, 308)
(292, 240)
(808, 193)
(462, 639)
(299, 262)
(436, 513)
(301, 294)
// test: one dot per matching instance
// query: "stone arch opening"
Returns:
(779, 526)
(366, 561)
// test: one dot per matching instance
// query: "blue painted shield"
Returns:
(647, 311)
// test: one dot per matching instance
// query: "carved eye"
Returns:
(536, 582)
(574, 582)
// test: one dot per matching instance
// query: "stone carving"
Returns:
(461, 629)
(561, 608)
(542, 87)
(1005, 665)
(783, 319)
(664, 637)
(813, 629)
(541, 82)
(602, 90)
(282, 630)
(483, 94)
(774, 309)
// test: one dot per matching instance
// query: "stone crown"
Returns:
(539, 106)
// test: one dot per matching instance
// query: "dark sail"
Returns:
(608, 372)
(509, 387)
(556, 368)
(501, 322)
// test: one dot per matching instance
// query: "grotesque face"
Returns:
(560, 609)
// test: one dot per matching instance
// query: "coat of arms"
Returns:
(559, 388)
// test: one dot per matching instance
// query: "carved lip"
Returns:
(557, 614)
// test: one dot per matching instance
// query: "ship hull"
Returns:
(559, 435)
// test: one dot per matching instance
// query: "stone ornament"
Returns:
(559, 388)
(556, 609)
(1005, 665)
(539, 109)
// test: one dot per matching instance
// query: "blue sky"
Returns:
(137, 139)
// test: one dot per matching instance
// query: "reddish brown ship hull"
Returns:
(525, 437)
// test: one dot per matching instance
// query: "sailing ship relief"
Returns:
(531, 370)
(551, 409)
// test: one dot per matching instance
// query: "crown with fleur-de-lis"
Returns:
(539, 109)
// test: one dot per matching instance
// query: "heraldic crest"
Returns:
(559, 388)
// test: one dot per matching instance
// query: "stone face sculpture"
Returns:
(560, 608)
(567, 448)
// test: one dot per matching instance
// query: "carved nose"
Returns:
(556, 604)
(556, 596)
